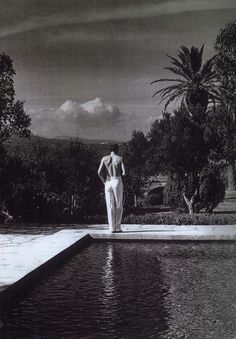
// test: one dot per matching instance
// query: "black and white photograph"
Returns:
(117, 169)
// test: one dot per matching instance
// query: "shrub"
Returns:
(210, 192)
(153, 200)
(181, 219)
(173, 194)
(212, 189)
(155, 196)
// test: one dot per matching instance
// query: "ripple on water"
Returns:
(135, 290)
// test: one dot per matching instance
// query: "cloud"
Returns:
(72, 116)
(76, 15)
(94, 119)
(92, 112)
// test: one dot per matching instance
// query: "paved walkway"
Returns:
(21, 254)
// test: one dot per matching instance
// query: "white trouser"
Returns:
(114, 202)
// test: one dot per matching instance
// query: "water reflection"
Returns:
(108, 276)
(109, 290)
(109, 294)
(133, 292)
(128, 290)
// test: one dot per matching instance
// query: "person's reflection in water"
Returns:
(133, 293)
(108, 272)
(109, 297)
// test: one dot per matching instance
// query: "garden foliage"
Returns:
(225, 65)
(192, 154)
(51, 181)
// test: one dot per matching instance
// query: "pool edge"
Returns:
(14, 293)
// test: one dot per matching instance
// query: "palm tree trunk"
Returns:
(231, 176)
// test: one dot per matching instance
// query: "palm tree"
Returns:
(195, 82)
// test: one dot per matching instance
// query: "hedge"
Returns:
(170, 219)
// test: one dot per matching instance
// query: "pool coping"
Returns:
(13, 293)
(137, 232)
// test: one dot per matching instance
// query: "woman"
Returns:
(110, 171)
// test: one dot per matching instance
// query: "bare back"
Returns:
(111, 166)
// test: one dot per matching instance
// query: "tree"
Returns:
(77, 181)
(13, 118)
(195, 82)
(225, 62)
(135, 155)
(185, 150)
(56, 181)
(32, 194)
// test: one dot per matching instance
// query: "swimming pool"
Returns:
(134, 290)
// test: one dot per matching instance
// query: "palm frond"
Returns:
(186, 61)
(210, 77)
(175, 61)
(165, 91)
(185, 51)
(192, 76)
(185, 74)
(201, 50)
(207, 67)
(159, 80)
(171, 92)
(196, 59)
(173, 97)
(179, 65)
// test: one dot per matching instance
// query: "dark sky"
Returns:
(84, 67)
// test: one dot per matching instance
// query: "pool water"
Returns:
(134, 290)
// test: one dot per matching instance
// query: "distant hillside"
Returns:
(100, 146)
(86, 140)
(15, 139)
(59, 139)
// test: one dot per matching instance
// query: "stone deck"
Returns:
(21, 254)
(168, 233)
